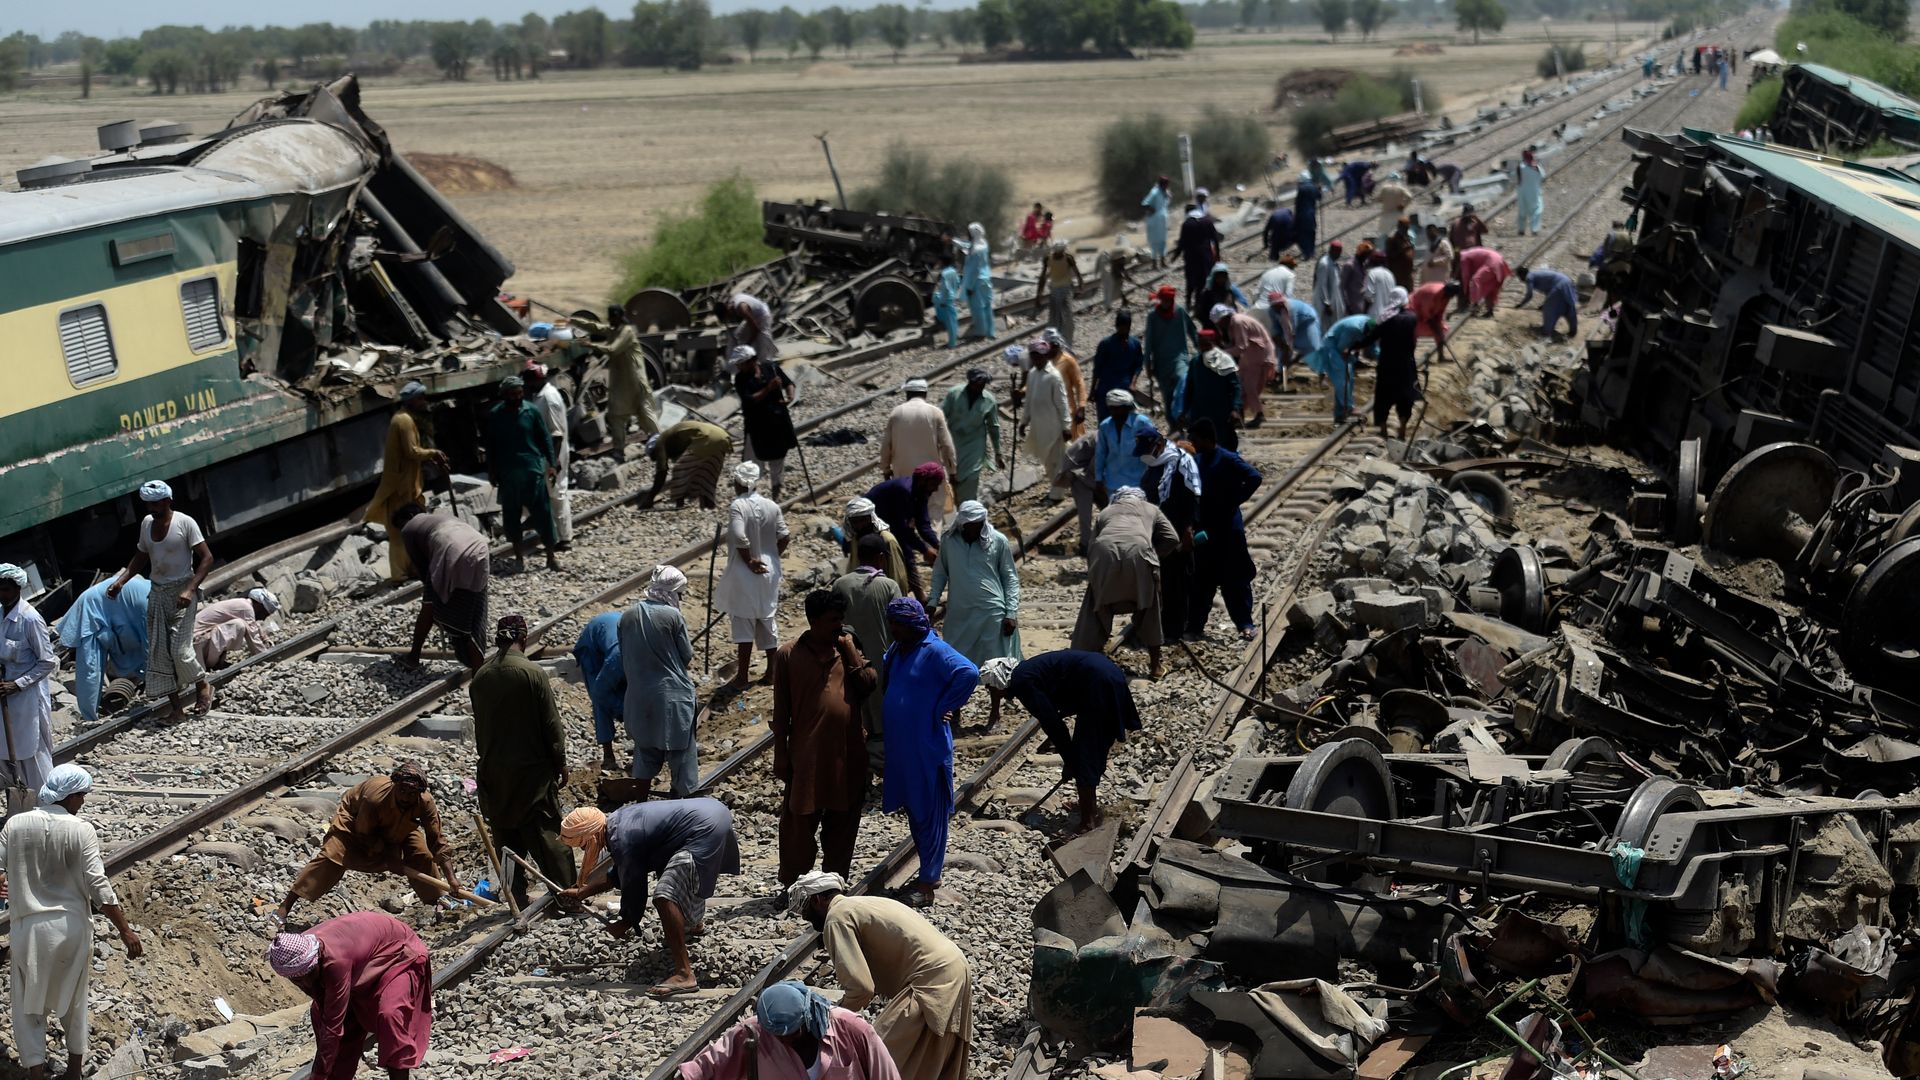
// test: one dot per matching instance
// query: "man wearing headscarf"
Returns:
(401, 467)
(520, 463)
(820, 680)
(1156, 201)
(1353, 278)
(1558, 298)
(1123, 575)
(453, 563)
(1247, 341)
(26, 697)
(1049, 419)
(1214, 389)
(369, 977)
(765, 391)
(1278, 279)
(220, 628)
(1529, 180)
(1335, 358)
(977, 278)
(1221, 290)
(881, 948)
(383, 825)
(982, 614)
(552, 407)
(629, 391)
(1438, 266)
(1467, 231)
(1199, 250)
(173, 553)
(1483, 271)
(1169, 338)
(1393, 198)
(862, 519)
(1303, 336)
(904, 503)
(1115, 464)
(916, 433)
(1329, 301)
(794, 1034)
(946, 300)
(753, 327)
(925, 681)
(1380, 285)
(1172, 483)
(1092, 689)
(522, 753)
(1400, 253)
(660, 708)
(683, 844)
(597, 652)
(1118, 358)
(692, 452)
(1221, 563)
(749, 591)
(53, 877)
(1059, 277)
(108, 638)
(973, 418)
(1067, 366)
(1396, 376)
(868, 590)
(1306, 213)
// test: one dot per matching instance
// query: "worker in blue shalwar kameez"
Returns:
(1306, 214)
(946, 299)
(1331, 359)
(1528, 178)
(1087, 686)
(1158, 196)
(975, 572)
(105, 633)
(1306, 327)
(598, 654)
(926, 681)
(1114, 464)
(977, 279)
(1168, 339)
(661, 708)
(1559, 299)
(1353, 179)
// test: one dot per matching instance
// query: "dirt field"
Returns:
(597, 157)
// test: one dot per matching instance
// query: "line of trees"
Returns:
(682, 34)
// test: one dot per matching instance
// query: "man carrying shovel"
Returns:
(385, 824)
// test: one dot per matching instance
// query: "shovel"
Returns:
(605, 919)
(19, 797)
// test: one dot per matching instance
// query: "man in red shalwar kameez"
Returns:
(368, 975)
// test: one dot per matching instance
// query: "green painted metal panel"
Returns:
(167, 397)
(54, 268)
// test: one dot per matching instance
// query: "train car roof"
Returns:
(1866, 90)
(262, 160)
(1882, 198)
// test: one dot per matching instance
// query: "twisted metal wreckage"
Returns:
(1670, 774)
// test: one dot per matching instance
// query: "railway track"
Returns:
(1294, 446)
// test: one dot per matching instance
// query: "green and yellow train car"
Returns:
(232, 314)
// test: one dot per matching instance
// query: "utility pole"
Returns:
(838, 190)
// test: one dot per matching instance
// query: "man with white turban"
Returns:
(1123, 574)
(173, 553)
(26, 659)
(749, 591)
(863, 519)
(1244, 338)
(1114, 463)
(883, 948)
(220, 628)
(54, 874)
(916, 433)
(659, 709)
(975, 565)
(1086, 686)
(1049, 419)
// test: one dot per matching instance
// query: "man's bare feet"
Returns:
(674, 984)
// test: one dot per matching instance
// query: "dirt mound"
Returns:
(828, 71)
(1425, 48)
(1309, 84)
(458, 174)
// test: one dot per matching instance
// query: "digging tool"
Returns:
(605, 920)
(719, 534)
(428, 879)
(812, 498)
(493, 859)
(18, 796)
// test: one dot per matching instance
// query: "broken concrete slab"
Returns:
(1390, 612)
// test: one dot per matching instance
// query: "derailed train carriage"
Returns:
(233, 314)
(1821, 108)
(1775, 296)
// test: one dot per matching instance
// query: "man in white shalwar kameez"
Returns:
(26, 659)
(1049, 420)
(53, 873)
(750, 589)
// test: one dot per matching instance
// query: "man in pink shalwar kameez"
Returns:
(1244, 339)
(795, 1034)
(368, 975)
(1483, 270)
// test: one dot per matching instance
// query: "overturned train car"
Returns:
(231, 313)
(1774, 295)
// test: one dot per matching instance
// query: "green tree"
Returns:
(121, 58)
(1332, 15)
(13, 59)
(452, 49)
(1479, 16)
(535, 37)
(894, 23)
(1155, 24)
(585, 35)
(270, 72)
(1279, 12)
(166, 68)
(752, 24)
(814, 35)
(92, 49)
(957, 190)
(669, 33)
(722, 238)
(996, 23)
(1369, 14)
(842, 28)
(1887, 16)
(964, 27)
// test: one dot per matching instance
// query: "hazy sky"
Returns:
(120, 18)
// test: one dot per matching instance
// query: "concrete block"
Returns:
(1330, 634)
(1306, 611)
(1390, 612)
(241, 1057)
(1398, 564)
(207, 1068)
(315, 693)
(309, 594)
(239, 855)
(441, 726)
(1372, 560)
(1439, 601)
(1366, 536)
(1345, 589)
